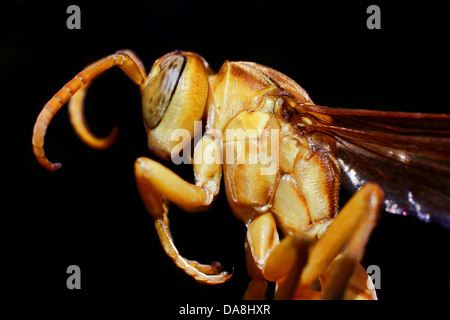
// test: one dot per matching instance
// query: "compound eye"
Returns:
(161, 88)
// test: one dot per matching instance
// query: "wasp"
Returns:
(392, 160)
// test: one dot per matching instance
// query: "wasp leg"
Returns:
(157, 186)
(190, 267)
(359, 286)
(354, 251)
(212, 268)
(348, 234)
(125, 59)
(358, 215)
(285, 263)
(334, 258)
(169, 186)
(262, 238)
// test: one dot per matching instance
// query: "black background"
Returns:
(89, 213)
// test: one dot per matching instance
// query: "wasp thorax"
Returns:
(160, 89)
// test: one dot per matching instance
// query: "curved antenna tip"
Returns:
(57, 166)
(52, 166)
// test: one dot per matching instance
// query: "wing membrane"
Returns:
(408, 154)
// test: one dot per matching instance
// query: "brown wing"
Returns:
(408, 154)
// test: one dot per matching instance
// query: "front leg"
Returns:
(158, 185)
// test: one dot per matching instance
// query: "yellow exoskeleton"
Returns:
(244, 107)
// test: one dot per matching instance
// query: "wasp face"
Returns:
(174, 96)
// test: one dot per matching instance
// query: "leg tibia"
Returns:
(262, 238)
(358, 215)
(186, 265)
(333, 258)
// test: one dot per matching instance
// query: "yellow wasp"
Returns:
(396, 161)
